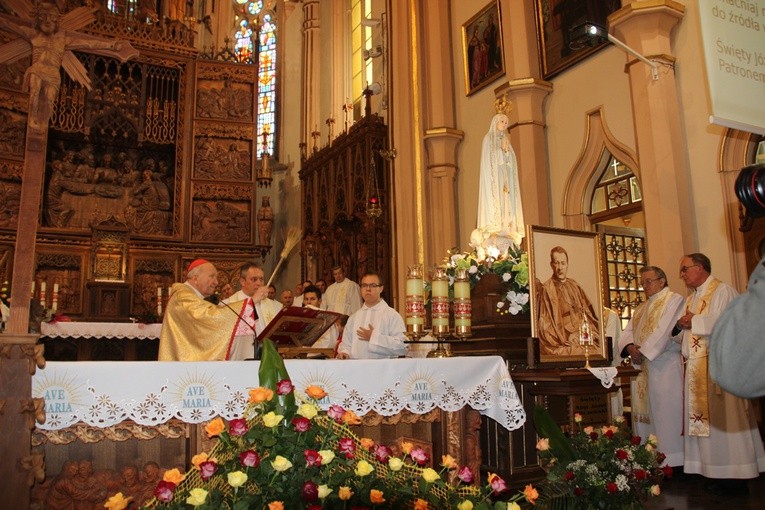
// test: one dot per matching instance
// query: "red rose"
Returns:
(611, 487)
(594, 436)
(249, 458)
(164, 491)
(578, 491)
(238, 427)
(310, 491)
(667, 470)
(301, 424)
(609, 434)
(660, 457)
(635, 440)
(569, 475)
(312, 458)
(207, 469)
(640, 474)
(621, 454)
(284, 387)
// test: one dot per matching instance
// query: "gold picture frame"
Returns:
(554, 20)
(484, 56)
(561, 296)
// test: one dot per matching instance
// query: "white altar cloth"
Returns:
(100, 330)
(103, 394)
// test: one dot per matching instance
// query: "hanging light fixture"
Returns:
(374, 210)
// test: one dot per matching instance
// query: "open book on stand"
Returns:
(298, 327)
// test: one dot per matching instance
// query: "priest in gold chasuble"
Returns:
(194, 329)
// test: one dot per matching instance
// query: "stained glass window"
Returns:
(255, 43)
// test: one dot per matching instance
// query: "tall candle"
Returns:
(42, 293)
(54, 299)
(33, 288)
(463, 307)
(439, 302)
(159, 301)
(415, 303)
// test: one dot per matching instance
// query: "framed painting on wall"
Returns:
(560, 46)
(565, 283)
(482, 48)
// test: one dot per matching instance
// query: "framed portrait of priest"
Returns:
(561, 31)
(482, 48)
(565, 281)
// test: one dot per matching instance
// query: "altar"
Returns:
(110, 412)
(100, 341)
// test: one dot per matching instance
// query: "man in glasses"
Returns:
(376, 330)
(721, 437)
(657, 393)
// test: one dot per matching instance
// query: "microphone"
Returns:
(256, 343)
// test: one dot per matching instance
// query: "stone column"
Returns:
(311, 66)
(646, 27)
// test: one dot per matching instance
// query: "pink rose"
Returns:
(465, 474)
(497, 483)
(238, 427)
(420, 456)
(347, 447)
(249, 458)
(382, 453)
(284, 387)
(312, 458)
(336, 412)
(207, 469)
(164, 491)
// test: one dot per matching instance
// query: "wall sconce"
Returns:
(374, 88)
(592, 34)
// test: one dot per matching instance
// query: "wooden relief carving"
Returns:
(10, 197)
(227, 160)
(66, 271)
(224, 100)
(12, 133)
(221, 220)
(148, 276)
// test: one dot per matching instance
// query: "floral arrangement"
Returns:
(510, 263)
(288, 453)
(599, 467)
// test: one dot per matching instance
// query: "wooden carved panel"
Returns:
(225, 92)
(149, 274)
(65, 269)
(222, 213)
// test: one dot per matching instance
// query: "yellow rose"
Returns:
(363, 468)
(276, 505)
(324, 491)
(236, 478)
(367, 443)
(430, 475)
(173, 475)
(653, 440)
(395, 464)
(199, 458)
(406, 447)
(449, 462)
(589, 430)
(280, 463)
(260, 395)
(465, 505)
(196, 497)
(316, 392)
(376, 497)
(215, 427)
(308, 411)
(513, 506)
(543, 444)
(271, 419)
(619, 419)
(577, 417)
(344, 493)
(327, 456)
(655, 490)
(648, 447)
(117, 502)
(420, 504)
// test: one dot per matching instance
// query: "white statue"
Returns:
(500, 214)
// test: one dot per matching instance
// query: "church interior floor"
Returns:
(687, 492)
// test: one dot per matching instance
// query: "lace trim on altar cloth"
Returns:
(151, 393)
(605, 374)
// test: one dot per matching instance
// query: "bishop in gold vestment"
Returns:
(194, 329)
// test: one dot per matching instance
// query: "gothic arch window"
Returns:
(255, 42)
(616, 193)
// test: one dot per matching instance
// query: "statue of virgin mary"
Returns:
(500, 214)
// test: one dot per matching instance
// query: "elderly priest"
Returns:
(194, 329)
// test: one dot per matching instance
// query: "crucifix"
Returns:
(347, 113)
(331, 125)
(50, 38)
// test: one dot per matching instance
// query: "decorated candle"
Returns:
(439, 302)
(462, 305)
(42, 293)
(415, 306)
(54, 298)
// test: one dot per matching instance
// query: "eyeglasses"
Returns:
(648, 281)
(684, 269)
(370, 285)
